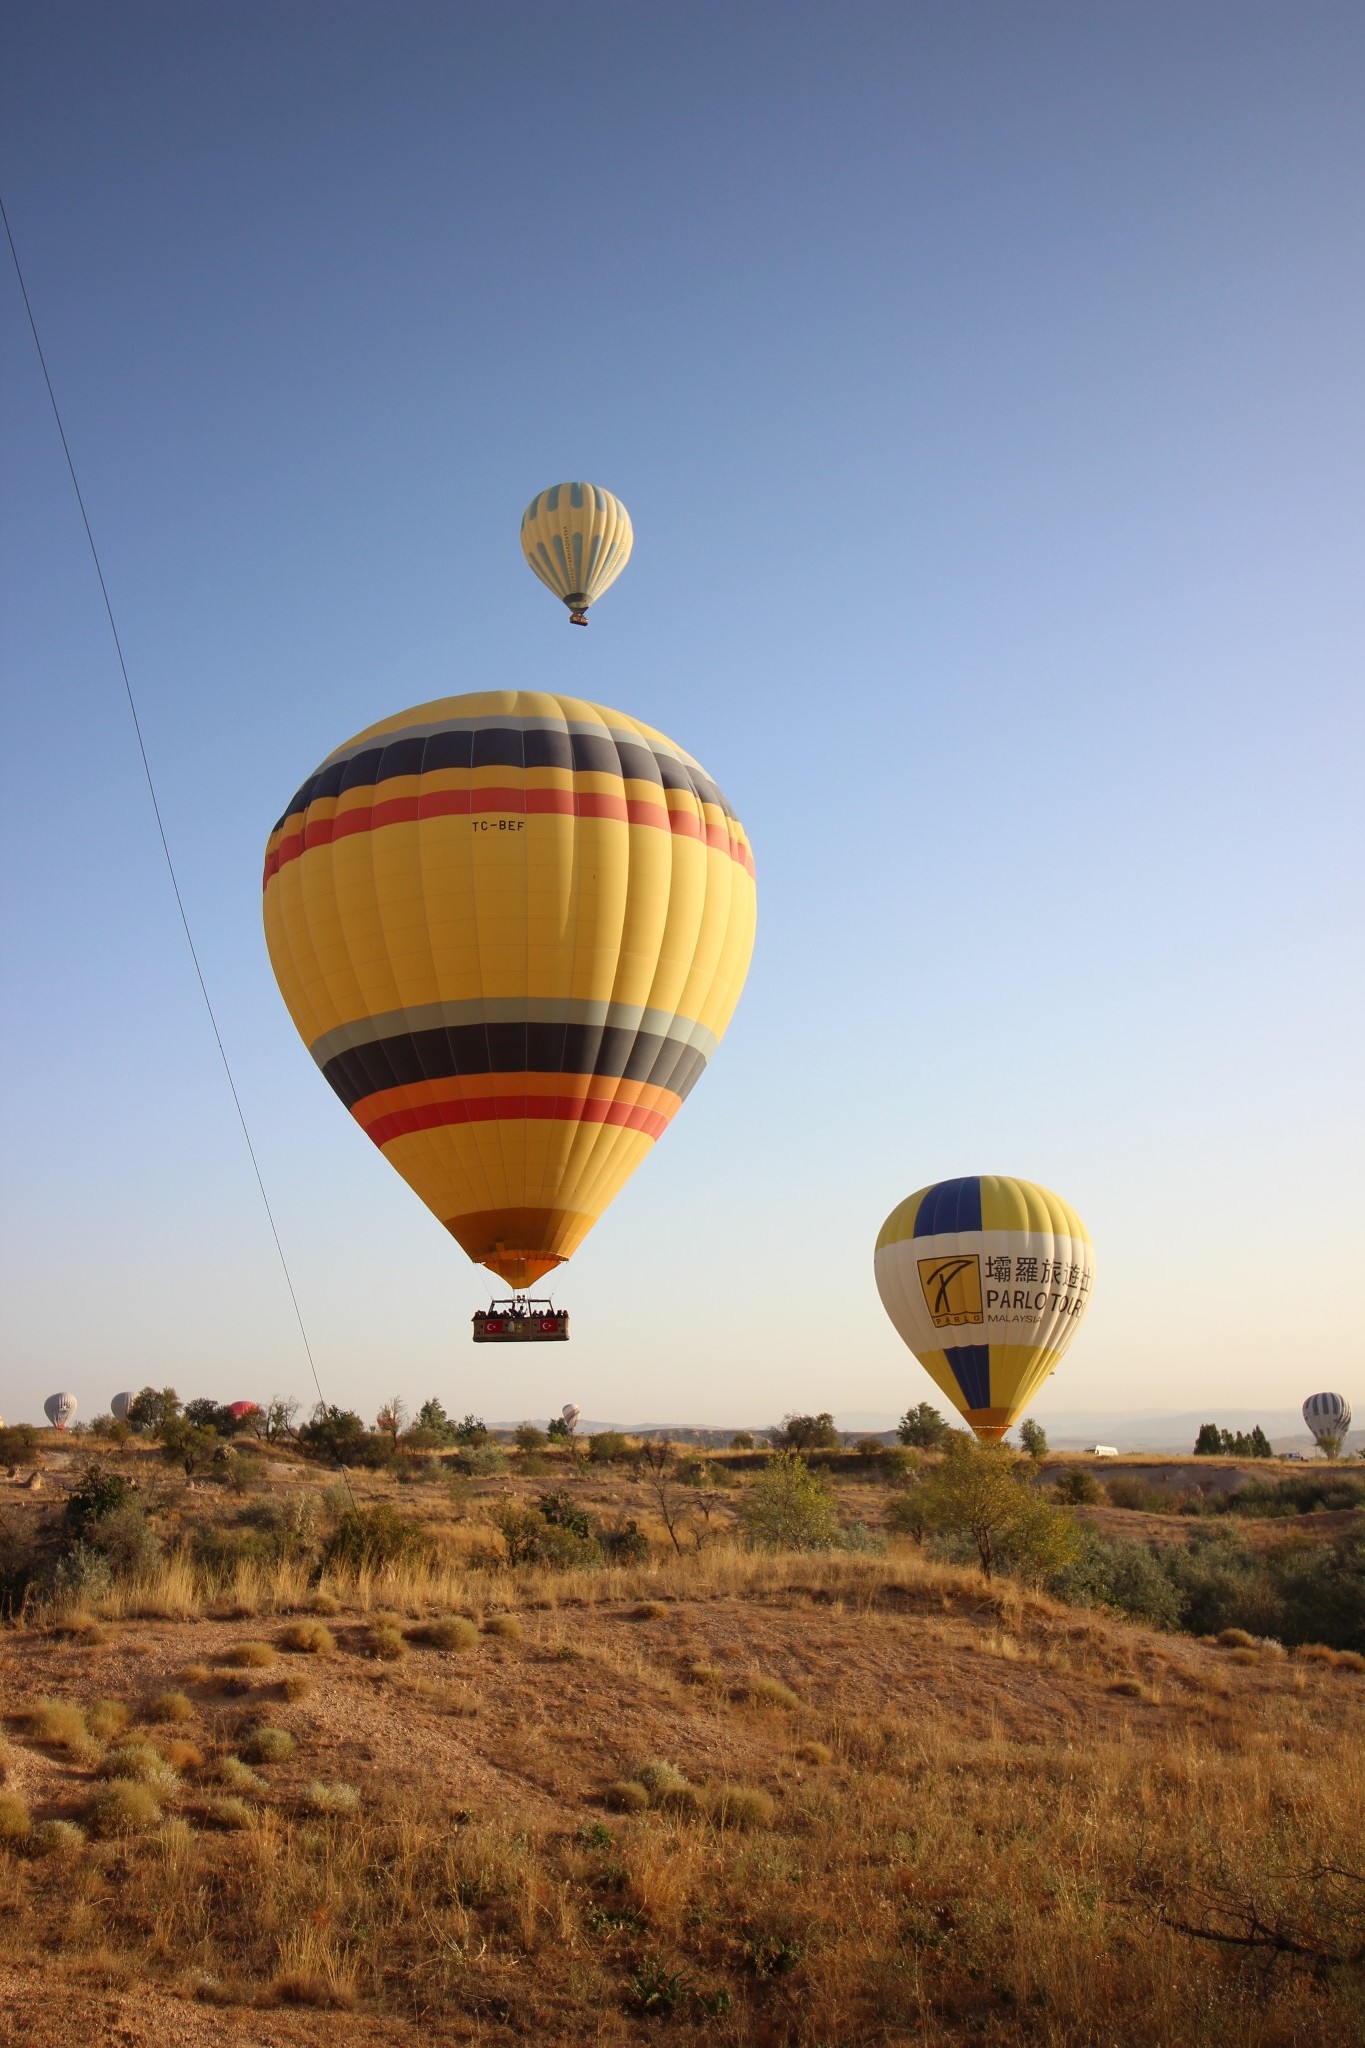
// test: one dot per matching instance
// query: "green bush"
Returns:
(789, 1507)
(532, 1539)
(609, 1447)
(268, 1746)
(367, 1538)
(1077, 1487)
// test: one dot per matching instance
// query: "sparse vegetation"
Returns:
(268, 1746)
(123, 1806)
(309, 1638)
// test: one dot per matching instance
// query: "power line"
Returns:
(156, 807)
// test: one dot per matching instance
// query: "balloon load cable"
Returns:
(160, 825)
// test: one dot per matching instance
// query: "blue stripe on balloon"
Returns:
(576, 496)
(950, 1205)
(971, 1365)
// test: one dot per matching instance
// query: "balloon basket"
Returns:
(520, 1319)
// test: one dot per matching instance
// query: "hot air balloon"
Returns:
(986, 1279)
(1329, 1418)
(120, 1405)
(570, 1413)
(239, 1410)
(577, 538)
(511, 928)
(60, 1409)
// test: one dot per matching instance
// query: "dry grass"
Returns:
(450, 1632)
(169, 1707)
(251, 1656)
(868, 1800)
(311, 1638)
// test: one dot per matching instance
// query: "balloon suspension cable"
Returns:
(160, 825)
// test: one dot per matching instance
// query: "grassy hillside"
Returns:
(855, 1796)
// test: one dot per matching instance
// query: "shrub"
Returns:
(107, 1719)
(506, 1625)
(626, 1795)
(182, 1755)
(1138, 1495)
(1033, 1438)
(19, 1444)
(250, 1656)
(169, 1706)
(660, 1779)
(385, 1642)
(541, 1538)
(138, 1763)
(15, 1818)
(450, 1632)
(741, 1441)
(527, 1437)
(195, 1674)
(268, 1746)
(608, 1447)
(231, 1813)
(336, 1434)
(56, 1838)
(769, 1692)
(1129, 1578)
(296, 1686)
(368, 1538)
(699, 1673)
(815, 1753)
(330, 1799)
(237, 1776)
(977, 1493)
(310, 1638)
(122, 1807)
(481, 1461)
(97, 1493)
(57, 1724)
(740, 1806)
(1077, 1487)
(649, 1610)
(1235, 1639)
(324, 1602)
(81, 1576)
(789, 1507)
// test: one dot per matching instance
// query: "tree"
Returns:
(472, 1431)
(527, 1437)
(433, 1426)
(657, 1464)
(149, 1411)
(1033, 1437)
(1208, 1443)
(923, 1428)
(741, 1441)
(789, 1507)
(335, 1433)
(805, 1433)
(275, 1421)
(390, 1419)
(979, 1491)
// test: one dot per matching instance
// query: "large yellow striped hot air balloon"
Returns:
(511, 928)
(578, 539)
(986, 1279)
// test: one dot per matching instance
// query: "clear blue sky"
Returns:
(987, 385)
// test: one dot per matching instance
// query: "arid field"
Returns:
(272, 1781)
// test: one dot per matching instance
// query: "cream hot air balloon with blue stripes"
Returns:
(577, 538)
(986, 1279)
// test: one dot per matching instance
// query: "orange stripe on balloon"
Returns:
(569, 1109)
(445, 803)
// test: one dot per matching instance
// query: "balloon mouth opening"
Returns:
(521, 1269)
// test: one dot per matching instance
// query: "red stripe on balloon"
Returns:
(569, 1109)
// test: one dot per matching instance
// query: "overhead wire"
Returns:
(156, 810)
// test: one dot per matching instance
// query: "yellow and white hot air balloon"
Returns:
(986, 1279)
(511, 928)
(577, 538)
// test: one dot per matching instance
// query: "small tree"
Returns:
(658, 1466)
(391, 1418)
(789, 1507)
(923, 1428)
(1208, 1443)
(741, 1441)
(806, 1433)
(473, 1431)
(275, 1421)
(433, 1425)
(335, 1433)
(1033, 1437)
(149, 1411)
(978, 1491)
(527, 1437)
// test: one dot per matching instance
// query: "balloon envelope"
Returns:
(1328, 1416)
(238, 1409)
(986, 1279)
(570, 1412)
(511, 928)
(577, 538)
(60, 1409)
(120, 1405)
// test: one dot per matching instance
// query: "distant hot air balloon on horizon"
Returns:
(60, 1409)
(569, 1415)
(577, 538)
(511, 927)
(239, 1410)
(1329, 1418)
(986, 1279)
(120, 1405)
